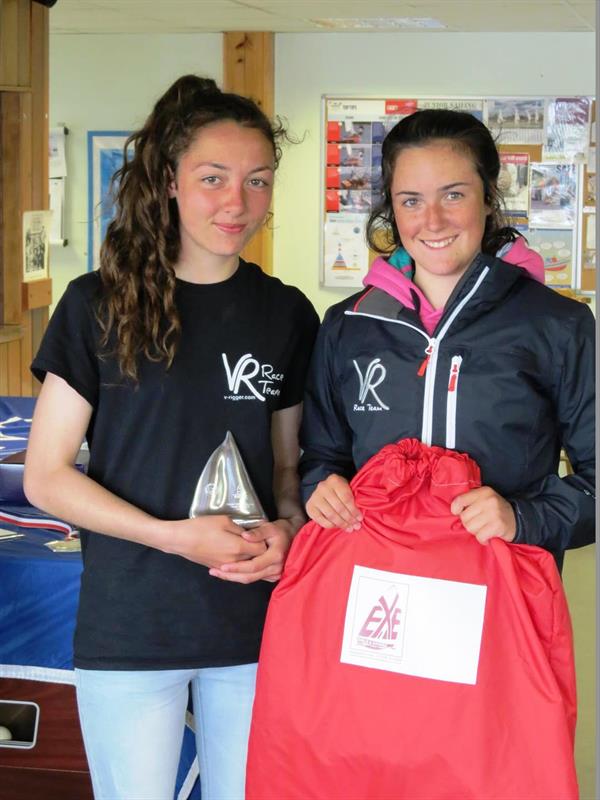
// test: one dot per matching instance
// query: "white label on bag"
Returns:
(425, 627)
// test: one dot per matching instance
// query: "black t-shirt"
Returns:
(243, 354)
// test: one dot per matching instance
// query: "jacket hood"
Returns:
(394, 277)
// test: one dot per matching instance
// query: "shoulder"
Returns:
(551, 318)
(282, 296)
(87, 288)
(336, 314)
(548, 302)
(516, 283)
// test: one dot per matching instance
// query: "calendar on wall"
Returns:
(547, 178)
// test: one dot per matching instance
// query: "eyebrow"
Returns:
(216, 165)
(441, 189)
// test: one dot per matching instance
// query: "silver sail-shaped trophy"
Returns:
(224, 487)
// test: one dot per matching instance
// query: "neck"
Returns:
(436, 288)
(209, 269)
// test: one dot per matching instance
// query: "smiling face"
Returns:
(223, 187)
(439, 208)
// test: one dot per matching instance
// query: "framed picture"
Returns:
(36, 238)
(105, 157)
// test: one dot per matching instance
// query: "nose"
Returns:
(235, 202)
(434, 217)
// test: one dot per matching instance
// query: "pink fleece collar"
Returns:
(383, 276)
(392, 281)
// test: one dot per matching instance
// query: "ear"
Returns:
(172, 185)
(488, 202)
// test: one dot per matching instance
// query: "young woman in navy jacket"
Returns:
(455, 342)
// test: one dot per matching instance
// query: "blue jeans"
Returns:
(133, 723)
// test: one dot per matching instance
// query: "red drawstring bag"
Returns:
(406, 660)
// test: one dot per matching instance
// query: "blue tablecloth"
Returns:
(39, 590)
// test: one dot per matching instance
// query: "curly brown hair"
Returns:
(137, 313)
(466, 133)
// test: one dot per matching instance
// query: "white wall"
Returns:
(395, 65)
(110, 83)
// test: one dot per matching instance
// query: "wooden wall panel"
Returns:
(15, 43)
(24, 35)
(4, 369)
(24, 69)
(8, 43)
(248, 69)
(40, 70)
(11, 207)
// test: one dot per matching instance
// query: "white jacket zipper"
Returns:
(427, 429)
(451, 402)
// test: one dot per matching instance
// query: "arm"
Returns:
(554, 513)
(51, 482)
(277, 535)
(559, 513)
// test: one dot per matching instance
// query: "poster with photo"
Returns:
(348, 178)
(518, 220)
(556, 248)
(553, 190)
(36, 242)
(355, 131)
(348, 201)
(349, 132)
(567, 129)
(513, 182)
(516, 120)
(346, 252)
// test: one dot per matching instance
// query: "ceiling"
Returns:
(311, 16)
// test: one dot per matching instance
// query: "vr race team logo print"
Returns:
(368, 399)
(413, 625)
(251, 380)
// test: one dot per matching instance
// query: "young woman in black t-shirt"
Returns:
(174, 341)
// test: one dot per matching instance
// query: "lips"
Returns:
(439, 244)
(222, 226)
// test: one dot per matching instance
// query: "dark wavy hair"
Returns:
(466, 133)
(142, 244)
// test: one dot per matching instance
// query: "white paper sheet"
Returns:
(425, 627)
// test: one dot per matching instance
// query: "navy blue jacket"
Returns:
(507, 377)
